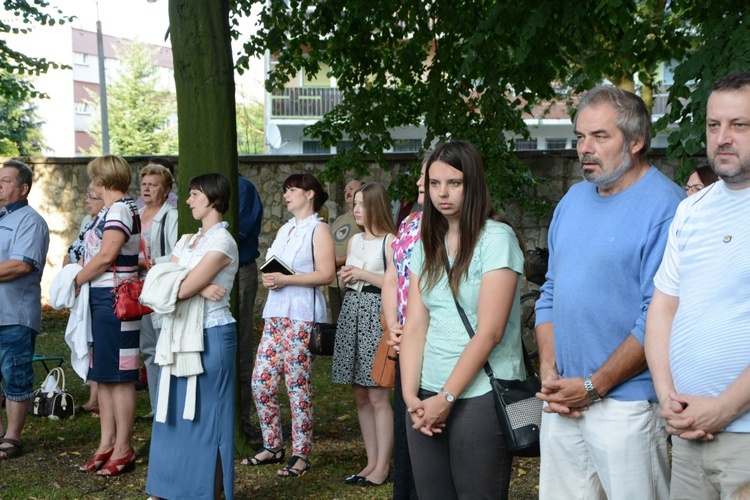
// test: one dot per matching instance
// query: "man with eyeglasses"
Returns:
(24, 241)
(698, 326)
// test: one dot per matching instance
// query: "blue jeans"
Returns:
(17, 344)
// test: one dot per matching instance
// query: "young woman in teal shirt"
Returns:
(455, 443)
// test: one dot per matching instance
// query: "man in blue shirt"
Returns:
(601, 433)
(24, 241)
(250, 219)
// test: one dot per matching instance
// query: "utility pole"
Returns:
(102, 84)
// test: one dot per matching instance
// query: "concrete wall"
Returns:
(60, 183)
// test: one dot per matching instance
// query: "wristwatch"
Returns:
(447, 395)
(595, 397)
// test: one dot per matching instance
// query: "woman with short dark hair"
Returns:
(192, 444)
(295, 302)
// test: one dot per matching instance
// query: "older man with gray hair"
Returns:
(24, 240)
(601, 436)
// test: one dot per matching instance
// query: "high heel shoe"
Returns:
(96, 462)
(118, 466)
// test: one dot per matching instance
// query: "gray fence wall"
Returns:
(60, 183)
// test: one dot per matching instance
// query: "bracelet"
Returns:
(595, 397)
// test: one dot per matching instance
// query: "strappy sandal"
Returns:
(276, 458)
(118, 466)
(292, 471)
(96, 462)
(13, 451)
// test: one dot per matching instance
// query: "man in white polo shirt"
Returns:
(698, 323)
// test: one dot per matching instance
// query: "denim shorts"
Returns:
(17, 344)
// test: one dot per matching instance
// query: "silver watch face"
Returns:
(448, 396)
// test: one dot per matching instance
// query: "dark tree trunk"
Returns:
(207, 123)
(204, 80)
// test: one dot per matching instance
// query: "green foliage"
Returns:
(463, 70)
(19, 125)
(721, 45)
(250, 126)
(139, 110)
(24, 14)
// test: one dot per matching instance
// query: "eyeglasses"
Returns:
(694, 188)
(90, 198)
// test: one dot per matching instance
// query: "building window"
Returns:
(343, 146)
(556, 143)
(573, 143)
(406, 145)
(82, 108)
(314, 148)
(80, 58)
(524, 145)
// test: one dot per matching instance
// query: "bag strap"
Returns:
(162, 230)
(470, 331)
(385, 264)
(59, 375)
(312, 249)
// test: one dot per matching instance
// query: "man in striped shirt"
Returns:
(698, 323)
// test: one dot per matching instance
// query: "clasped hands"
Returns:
(693, 417)
(565, 396)
(428, 416)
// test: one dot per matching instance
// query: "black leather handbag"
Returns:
(322, 339)
(323, 335)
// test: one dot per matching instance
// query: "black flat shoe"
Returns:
(363, 481)
(353, 479)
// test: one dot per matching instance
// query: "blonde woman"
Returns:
(112, 245)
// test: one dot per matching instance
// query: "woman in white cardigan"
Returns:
(159, 230)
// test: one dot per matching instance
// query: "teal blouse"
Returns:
(446, 339)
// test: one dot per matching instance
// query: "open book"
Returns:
(275, 265)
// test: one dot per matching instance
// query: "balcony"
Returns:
(304, 102)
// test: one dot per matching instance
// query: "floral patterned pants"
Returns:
(284, 346)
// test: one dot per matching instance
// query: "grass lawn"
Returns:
(53, 450)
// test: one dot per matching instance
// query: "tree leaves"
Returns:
(13, 62)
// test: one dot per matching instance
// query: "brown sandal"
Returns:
(13, 451)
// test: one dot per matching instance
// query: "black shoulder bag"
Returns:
(518, 408)
(323, 335)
